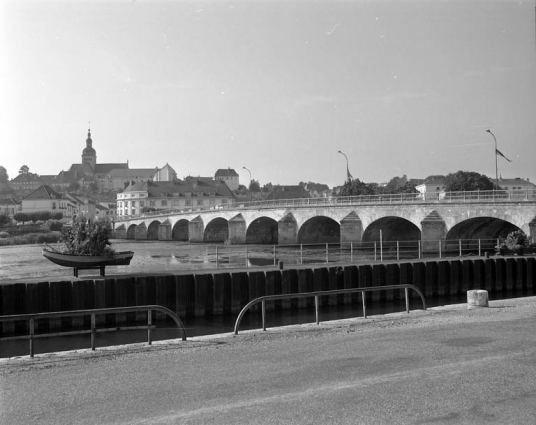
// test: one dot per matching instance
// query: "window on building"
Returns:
(164, 203)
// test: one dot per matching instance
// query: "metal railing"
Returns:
(318, 294)
(93, 331)
(518, 195)
(252, 256)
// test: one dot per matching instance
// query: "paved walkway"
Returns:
(448, 365)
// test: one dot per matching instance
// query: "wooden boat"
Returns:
(84, 262)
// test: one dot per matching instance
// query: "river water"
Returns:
(26, 261)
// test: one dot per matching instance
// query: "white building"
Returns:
(229, 176)
(432, 189)
(176, 195)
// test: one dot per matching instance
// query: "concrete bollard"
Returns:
(477, 298)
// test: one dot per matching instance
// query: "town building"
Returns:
(9, 207)
(518, 187)
(318, 190)
(287, 192)
(190, 195)
(229, 176)
(26, 182)
(433, 188)
(44, 198)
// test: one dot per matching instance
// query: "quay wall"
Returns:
(226, 292)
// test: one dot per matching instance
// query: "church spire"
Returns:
(89, 142)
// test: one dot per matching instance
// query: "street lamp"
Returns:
(250, 194)
(496, 167)
(348, 175)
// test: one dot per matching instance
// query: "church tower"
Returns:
(89, 156)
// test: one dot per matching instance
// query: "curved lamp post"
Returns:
(496, 167)
(348, 175)
(250, 195)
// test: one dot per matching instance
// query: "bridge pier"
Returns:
(287, 229)
(532, 230)
(237, 230)
(196, 230)
(433, 230)
(120, 232)
(141, 232)
(351, 229)
(164, 232)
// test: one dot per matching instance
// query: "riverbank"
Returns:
(445, 365)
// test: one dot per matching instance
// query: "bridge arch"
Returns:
(152, 230)
(180, 231)
(392, 229)
(131, 231)
(481, 228)
(217, 230)
(262, 230)
(319, 229)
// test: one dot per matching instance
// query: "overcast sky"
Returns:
(400, 86)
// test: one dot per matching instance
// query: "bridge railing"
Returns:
(518, 195)
(234, 256)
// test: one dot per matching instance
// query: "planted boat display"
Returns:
(87, 246)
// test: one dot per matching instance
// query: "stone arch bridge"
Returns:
(337, 221)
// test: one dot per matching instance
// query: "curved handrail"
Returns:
(316, 294)
(32, 317)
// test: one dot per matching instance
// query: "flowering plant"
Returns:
(87, 237)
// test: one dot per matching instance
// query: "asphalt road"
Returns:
(448, 365)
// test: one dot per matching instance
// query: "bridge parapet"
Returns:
(481, 196)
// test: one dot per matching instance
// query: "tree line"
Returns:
(460, 181)
(37, 216)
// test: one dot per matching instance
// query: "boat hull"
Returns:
(81, 262)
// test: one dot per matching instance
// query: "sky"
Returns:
(401, 87)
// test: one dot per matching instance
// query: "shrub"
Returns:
(53, 225)
(51, 237)
(516, 240)
(4, 235)
(87, 237)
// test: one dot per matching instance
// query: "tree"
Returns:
(3, 175)
(24, 169)
(20, 216)
(467, 181)
(93, 187)
(356, 187)
(395, 183)
(254, 186)
(74, 187)
(268, 187)
(434, 177)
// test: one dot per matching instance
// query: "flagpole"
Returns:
(347, 168)
(496, 166)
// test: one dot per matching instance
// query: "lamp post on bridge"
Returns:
(496, 166)
(250, 179)
(348, 175)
